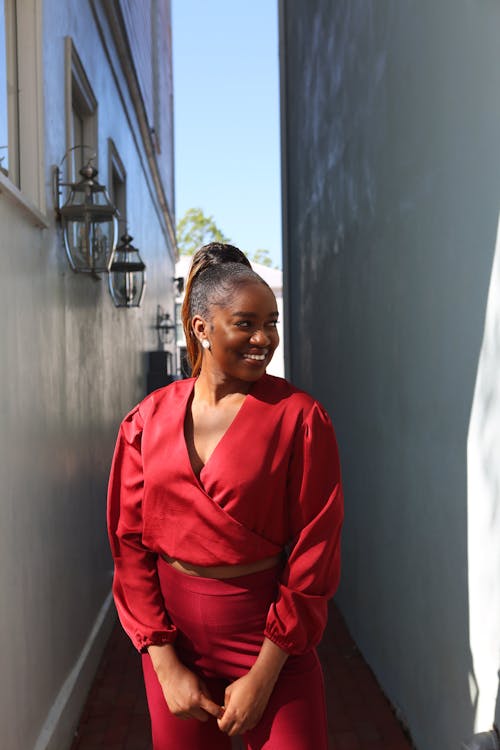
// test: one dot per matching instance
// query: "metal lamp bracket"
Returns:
(57, 182)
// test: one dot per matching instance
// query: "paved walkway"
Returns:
(360, 718)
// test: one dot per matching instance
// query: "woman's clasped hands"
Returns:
(185, 693)
(245, 701)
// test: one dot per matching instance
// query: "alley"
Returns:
(360, 718)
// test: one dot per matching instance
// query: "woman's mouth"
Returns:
(256, 357)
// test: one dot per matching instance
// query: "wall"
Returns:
(72, 366)
(392, 195)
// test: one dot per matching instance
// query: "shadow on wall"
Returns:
(393, 173)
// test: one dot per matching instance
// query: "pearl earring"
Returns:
(205, 344)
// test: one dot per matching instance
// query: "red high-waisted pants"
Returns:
(220, 631)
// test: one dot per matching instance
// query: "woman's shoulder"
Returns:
(162, 398)
(281, 391)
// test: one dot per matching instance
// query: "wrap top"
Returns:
(271, 484)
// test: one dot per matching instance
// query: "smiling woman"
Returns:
(225, 509)
(240, 327)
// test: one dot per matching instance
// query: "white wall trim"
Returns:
(12, 193)
(57, 731)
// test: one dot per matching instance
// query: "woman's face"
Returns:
(242, 334)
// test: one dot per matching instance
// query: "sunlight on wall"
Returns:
(483, 492)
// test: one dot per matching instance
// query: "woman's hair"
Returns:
(216, 270)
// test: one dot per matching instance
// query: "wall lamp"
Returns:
(164, 327)
(88, 219)
(127, 275)
(179, 284)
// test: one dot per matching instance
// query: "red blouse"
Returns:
(272, 482)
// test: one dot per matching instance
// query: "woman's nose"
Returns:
(260, 337)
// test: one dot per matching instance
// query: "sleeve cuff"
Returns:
(285, 643)
(142, 642)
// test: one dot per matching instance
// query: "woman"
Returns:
(224, 515)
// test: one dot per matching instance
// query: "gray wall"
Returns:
(72, 365)
(391, 155)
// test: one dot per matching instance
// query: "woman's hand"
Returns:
(245, 700)
(185, 693)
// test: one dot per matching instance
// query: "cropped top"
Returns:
(271, 484)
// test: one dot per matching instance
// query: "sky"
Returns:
(226, 110)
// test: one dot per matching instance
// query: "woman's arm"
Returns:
(136, 587)
(297, 618)
(186, 695)
(246, 698)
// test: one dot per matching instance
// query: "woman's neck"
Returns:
(212, 387)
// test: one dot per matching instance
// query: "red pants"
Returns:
(220, 631)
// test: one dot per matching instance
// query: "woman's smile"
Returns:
(261, 357)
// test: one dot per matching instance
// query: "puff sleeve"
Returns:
(136, 587)
(297, 618)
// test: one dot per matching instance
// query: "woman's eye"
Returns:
(243, 324)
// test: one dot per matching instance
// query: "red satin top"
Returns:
(272, 483)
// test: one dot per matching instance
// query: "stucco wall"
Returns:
(72, 366)
(392, 196)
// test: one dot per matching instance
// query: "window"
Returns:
(21, 103)
(81, 115)
(9, 161)
(117, 185)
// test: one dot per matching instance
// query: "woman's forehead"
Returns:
(250, 296)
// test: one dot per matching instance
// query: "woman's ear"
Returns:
(200, 327)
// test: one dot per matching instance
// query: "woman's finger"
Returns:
(198, 713)
(210, 707)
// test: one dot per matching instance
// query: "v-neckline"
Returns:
(190, 395)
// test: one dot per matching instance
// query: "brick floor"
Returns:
(115, 716)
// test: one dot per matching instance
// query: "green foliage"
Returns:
(196, 229)
(261, 256)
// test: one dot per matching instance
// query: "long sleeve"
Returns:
(136, 587)
(311, 575)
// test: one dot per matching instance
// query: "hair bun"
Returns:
(214, 254)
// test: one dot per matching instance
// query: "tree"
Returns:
(261, 256)
(196, 229)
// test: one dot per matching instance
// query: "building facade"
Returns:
(96, 74)
(391, 194)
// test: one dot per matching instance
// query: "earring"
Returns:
(205, 343)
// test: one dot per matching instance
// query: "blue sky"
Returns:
(226, 103)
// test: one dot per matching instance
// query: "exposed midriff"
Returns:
(223, 571)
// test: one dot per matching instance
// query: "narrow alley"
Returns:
(115, 716)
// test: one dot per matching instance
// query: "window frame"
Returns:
(80, 102)
(25, 183)
(117, 173)
(12, 86)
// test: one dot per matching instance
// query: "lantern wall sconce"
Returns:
(164, 327)
(127, 275)
(179, 284)
(88, 218)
